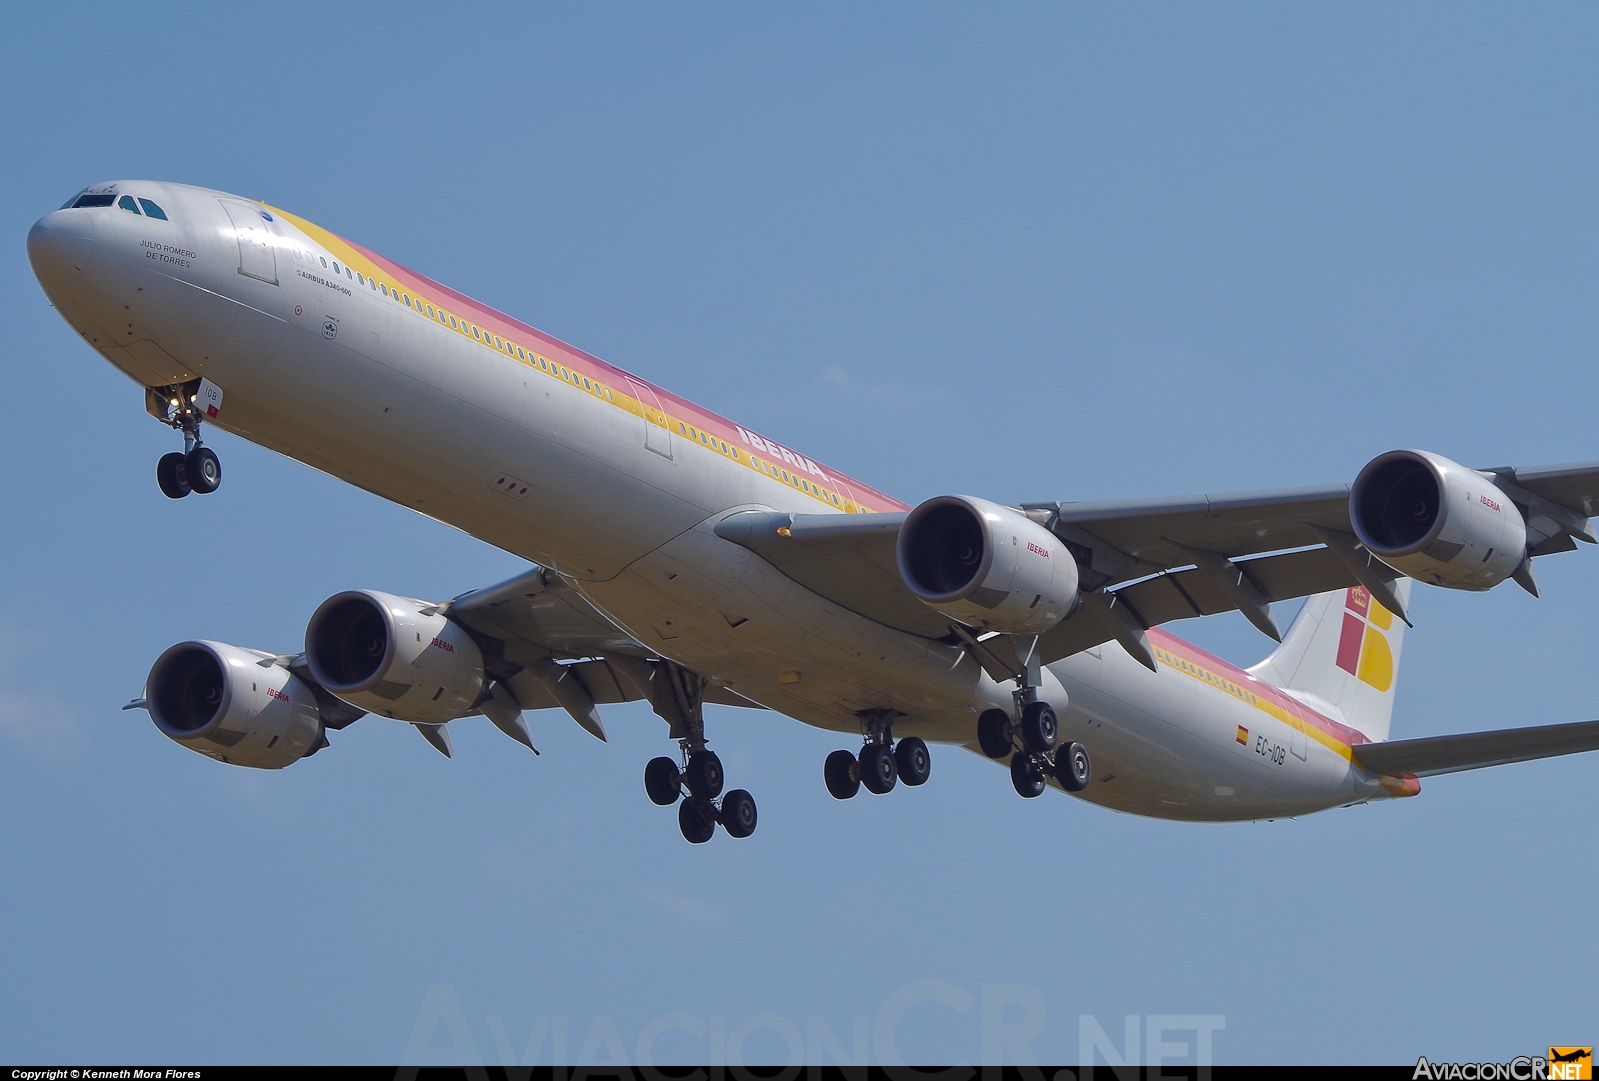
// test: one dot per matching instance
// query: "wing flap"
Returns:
(1431, 755)
(1186, 594)
(1575, 486)
(539, 608)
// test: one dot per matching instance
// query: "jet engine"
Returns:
(986, 565)
(394, 656)
(1437, 521)
(226, 703)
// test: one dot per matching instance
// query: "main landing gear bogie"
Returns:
(698, 784)
(1028, 740)
(881, 765)
(678, 696)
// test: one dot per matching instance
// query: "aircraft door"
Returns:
(257, 259)
(657, 436)
(1298, 742)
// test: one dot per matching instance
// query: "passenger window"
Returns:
(336, 269)
(454, 324)
(153, 211)
(324, 263)
(127, 203)
(360, 280)
(347, 273)
(407, 300)
(586, 385)
(104, 198)
(498, 344)
(475, 333)
(430, 311)
(385, 289)
(520, 355)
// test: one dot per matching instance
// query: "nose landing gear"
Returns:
(196, 468)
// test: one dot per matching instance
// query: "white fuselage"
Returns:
(618, 485)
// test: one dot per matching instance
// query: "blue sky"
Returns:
(1026, 252)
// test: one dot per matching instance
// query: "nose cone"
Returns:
(59, 246)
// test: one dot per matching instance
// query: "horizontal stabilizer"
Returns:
(1473, 750)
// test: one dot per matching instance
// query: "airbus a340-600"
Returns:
(679, 558)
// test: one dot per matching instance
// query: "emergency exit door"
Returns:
(257, 259)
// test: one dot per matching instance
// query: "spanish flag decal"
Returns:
(1243, 734)
(1363, 649)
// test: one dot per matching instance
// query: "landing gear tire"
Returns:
(1072, 767)
(1040, 729)
(704, 775)
(738, 813)
(172, 475)
(697, 821)
(842, 774)
(203, 469)
(913, 761)
(879, 772)
(1026, 774)
(662, 781)
(991, 735)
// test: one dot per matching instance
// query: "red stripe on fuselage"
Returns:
(505, 326)
(1265, 691)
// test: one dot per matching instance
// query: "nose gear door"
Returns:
(257, 259)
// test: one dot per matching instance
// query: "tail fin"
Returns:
(1343, 650)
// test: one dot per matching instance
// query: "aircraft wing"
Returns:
(553, 641)
(538, 608)
(1147, 562)
(1452, 754)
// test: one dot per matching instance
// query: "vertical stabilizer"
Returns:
(1341, 656)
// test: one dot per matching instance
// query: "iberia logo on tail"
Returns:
(1363, 649)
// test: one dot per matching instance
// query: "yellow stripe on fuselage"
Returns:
(1217, 682)
(358, 263)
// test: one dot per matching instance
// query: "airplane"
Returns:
(678, 558)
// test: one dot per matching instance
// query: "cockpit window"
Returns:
(153, 210)
(95, 198)
(127, 203)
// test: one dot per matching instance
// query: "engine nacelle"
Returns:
(1437, 521)
(986, 565)
(379, 652)
(221, 701)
